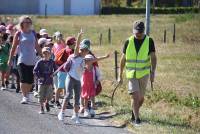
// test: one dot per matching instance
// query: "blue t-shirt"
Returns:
(43, 70)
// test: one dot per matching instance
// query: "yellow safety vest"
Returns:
(137, 64)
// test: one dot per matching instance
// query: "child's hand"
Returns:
(107, 56)
(81, 32)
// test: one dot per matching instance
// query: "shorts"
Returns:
(73, 84)
(26, 73)
(4, 67)
(45, 92)
(61, 76)
(138, 84)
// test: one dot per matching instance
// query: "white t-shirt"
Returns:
(77, 67)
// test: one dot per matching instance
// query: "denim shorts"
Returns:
(61, 76)
(73, 84)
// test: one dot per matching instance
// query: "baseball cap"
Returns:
(43, 32)
(57, 34)
(138, 27)
(85, 44)
(70, 40)
(2, 28)
(46, 49)
(44, 41)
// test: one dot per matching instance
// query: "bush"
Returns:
(158, 10)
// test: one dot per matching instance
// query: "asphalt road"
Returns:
(16, 118)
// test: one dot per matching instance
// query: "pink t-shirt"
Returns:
(57, 47)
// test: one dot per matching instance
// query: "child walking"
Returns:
(43, 71)
(4, 51)
(90, 79)
(72, 81)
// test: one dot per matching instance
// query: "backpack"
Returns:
(62, 56)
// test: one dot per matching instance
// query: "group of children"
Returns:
(68, 66)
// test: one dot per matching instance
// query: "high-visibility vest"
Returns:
(137, 64)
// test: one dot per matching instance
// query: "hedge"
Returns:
(157, 10)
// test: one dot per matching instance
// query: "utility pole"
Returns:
(148, 7)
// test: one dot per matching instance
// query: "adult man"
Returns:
(140, 60)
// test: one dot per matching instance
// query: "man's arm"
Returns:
(121, 68)
(153, 65)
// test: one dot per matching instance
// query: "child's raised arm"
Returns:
(76, 50)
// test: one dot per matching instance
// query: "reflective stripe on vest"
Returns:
(137, 64)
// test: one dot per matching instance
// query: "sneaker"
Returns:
(41, 111)
(137, 122)
(58, 105)
(24, 100)
(81, 110)
(92, 112)
(3, 88)
(47, 107)
(132, 116)
(6, 84)
(61, 116)
(35, 94)
(52, 101)
(76, 119)
(17, 90)
(87, 113)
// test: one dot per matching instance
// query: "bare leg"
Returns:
(135, 104)
(3, 77)
(64, 105)
(57, 94)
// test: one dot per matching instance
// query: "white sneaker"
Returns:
(61, 116)
(92, 112)
(35, 93)
(87, 113)
(3, 88)
(76, 119)
(24, 100)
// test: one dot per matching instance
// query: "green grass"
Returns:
(174, 105)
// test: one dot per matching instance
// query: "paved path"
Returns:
(16, 118)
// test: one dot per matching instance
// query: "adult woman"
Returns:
(25, 40)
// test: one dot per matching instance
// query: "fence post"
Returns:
(109, 36)
(174, 34)
(165, 35)
(45, 11)
(116, 66)
(100, 39)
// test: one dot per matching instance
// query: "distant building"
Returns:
(51, 7)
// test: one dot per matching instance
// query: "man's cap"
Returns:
(138, 27)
